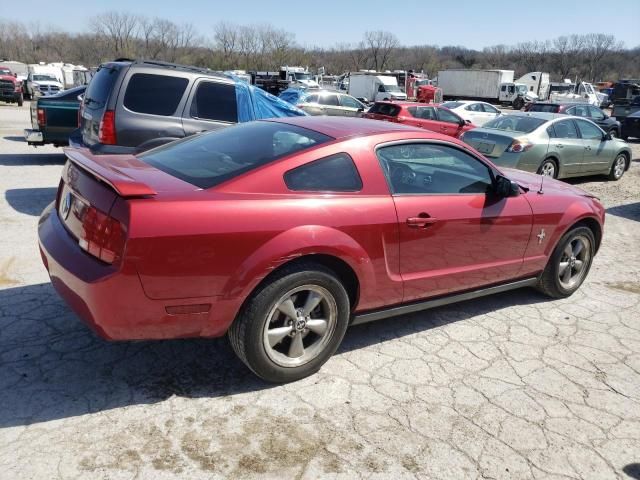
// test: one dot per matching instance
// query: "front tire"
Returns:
(569, 264)
(293, 324)
(518, 103)
(613, 133)
(20, 100)
(618, 168)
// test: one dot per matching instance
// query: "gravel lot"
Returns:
(512, 386)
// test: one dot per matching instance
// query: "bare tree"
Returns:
(597, 46)
(380, 45)
(119, 29)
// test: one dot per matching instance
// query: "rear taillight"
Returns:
(107, 131)
(102, 236)
(42, 117)
(520, 145)
(80, 110)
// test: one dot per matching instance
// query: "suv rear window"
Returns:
(212, 158)
(100, 87)
(385, 109)
(542, 107)
(215, 101)
(154, 94)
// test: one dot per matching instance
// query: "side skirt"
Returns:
(440, 301)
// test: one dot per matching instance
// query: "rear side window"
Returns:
(212, 158)
(154, 94)
(541, 107)
(385, 109)
(565, 129)
(100, 87)
(215, 101)
(336, 173)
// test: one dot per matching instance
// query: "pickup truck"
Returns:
(54, 117)
(10, 87)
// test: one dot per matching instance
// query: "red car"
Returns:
(428, 116)
(285, 232)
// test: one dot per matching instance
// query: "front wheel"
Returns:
(569, 264)
(20, 100)
(292, 325)
(618, 168)
(613, 133)
(518, 103)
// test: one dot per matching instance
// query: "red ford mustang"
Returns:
(285, 232)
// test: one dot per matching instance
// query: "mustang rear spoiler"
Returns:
(100, 167)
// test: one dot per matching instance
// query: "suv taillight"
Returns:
(80, 115)
(102, 236)
(42, 117)
(107, 131)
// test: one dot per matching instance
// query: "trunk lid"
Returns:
(490, 143)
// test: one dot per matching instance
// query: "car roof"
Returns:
(541, 115)
(176, 67)
(343, 127)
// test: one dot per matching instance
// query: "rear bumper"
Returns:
(34, 137)
(111, 300)
(76, 141)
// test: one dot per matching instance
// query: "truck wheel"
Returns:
(613, 133)
(20, 100)
(291, 326)
(518, 103)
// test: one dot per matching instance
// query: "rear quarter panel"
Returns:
(224, 242)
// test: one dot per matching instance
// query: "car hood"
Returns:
(535, 183)
(8, 77)
(46, 83)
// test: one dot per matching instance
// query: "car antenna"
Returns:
(541, 191)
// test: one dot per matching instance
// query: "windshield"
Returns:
(209, 159)
(515, 123)
(544, 107)
(5, 71)
(44, 78)
(451, 105)
(302, 76)
(391, 88)
(521, 88)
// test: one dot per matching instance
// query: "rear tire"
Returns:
(618, 168)
(548, 168)
(20, 100)
(281, 347)
(569, 263)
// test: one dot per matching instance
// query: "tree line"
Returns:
(590, 57)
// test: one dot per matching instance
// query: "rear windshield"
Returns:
(515, 123)
(209, 159)
(385, 109)
(452, 104)
(542, 107)
(100, 87)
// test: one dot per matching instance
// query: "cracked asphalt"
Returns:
(511, 386)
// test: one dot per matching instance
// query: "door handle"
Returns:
(559, 145)
(423, 220)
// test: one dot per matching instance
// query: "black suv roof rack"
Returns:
(177, 66)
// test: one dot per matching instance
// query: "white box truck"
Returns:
(374, 88)
(496, 86)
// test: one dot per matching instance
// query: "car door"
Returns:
(350, 106)
(566, 144)
(597, 157)
(491, 112)
(475, 113)
(330, 104)
(311, 106)
(597, 116)
(455, 233)
(450, 123)
(211, 105)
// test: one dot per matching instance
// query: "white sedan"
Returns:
(478, 113)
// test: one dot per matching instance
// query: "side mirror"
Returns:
(606, 137)
(506, 188)
(468, 122)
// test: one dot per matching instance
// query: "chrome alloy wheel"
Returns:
(619, 165)
(574, 262)
(548, 169)
(300, 325)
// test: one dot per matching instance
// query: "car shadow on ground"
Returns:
(14, 138)
(55, 367)
(31, 159)
(632, 470)
(30, 201)
(630, 211)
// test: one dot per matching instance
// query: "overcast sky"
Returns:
(471, 23)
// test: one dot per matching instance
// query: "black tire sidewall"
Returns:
(262, 303)
(554, 261)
